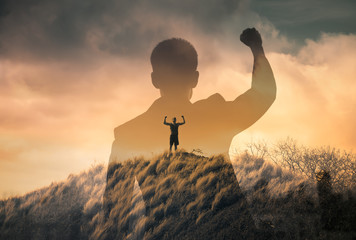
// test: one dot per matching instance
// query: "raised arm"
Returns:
(183, 121)
(250, 106)
(165, 121)
(263, 81)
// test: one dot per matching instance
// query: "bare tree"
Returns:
(340, 164)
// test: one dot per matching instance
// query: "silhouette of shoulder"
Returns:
(128, 127)
(213, 99)
(140, 122)
(214, 107)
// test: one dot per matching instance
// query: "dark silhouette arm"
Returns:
(165, 121)
(182, 122)
(252, 105)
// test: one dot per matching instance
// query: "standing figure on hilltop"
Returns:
(213, 122)
(173, 139)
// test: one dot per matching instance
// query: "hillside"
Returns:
(276, 204)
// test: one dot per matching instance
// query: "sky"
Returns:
(71, 71)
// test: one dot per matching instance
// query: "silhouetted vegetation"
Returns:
(283, 204)
(340, 164)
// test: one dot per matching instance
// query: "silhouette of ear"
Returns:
(154, 79)
(195, 79)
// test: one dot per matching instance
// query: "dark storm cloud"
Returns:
(307, 19)
(51, 29)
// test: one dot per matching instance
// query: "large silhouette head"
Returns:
(174, 63)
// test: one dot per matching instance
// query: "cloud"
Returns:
(307, 19)
(297, 12)
(51, 29)
(315, 100)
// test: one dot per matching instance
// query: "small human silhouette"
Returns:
(173, 139)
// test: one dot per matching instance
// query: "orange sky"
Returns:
(57, 115)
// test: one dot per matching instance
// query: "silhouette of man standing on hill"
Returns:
(213, 122)
(174, 132)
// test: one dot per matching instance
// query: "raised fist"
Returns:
(251, 37)
(165, 116)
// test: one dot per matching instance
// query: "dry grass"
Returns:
(188, 196)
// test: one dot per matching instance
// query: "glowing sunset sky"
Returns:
(71, 71)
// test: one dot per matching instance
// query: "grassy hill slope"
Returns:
(280, 204)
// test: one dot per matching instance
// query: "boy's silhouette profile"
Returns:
(213, 122)
(173, 139)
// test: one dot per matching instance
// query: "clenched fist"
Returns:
(251, 37)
